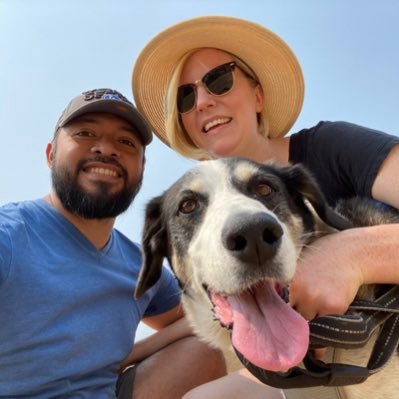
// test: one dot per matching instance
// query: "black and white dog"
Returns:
(232, 231)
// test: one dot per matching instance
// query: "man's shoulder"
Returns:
(24, 216)
(13, 212)
(18, 211)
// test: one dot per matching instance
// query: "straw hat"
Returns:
(266, 53)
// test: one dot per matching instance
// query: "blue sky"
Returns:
(53, 50)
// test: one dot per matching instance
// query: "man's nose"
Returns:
(105, 147)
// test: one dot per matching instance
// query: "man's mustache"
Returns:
(104, 159)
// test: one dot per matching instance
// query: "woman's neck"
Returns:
(268, 150)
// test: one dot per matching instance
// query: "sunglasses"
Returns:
(218, 82)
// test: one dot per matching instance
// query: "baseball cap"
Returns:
(107, 101)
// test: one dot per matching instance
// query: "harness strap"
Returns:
(354, 329)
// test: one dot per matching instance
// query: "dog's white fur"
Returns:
(199, 260)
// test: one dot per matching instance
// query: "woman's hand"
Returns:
(328, 276)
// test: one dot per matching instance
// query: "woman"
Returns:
(216, 87)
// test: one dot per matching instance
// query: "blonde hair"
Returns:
(177, 136)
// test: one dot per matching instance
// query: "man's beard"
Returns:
(98, 205)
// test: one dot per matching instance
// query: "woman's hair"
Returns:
(178, 138)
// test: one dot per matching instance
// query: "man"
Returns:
(67, 313)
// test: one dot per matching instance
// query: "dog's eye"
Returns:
(263, 190)
(188, 206)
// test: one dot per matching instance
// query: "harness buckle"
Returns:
(345, 374)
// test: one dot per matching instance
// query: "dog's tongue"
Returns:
(266, 330)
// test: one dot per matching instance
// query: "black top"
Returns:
(344, 158)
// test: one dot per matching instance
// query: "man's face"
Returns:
(96, 165)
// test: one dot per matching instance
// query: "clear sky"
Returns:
(51, 50)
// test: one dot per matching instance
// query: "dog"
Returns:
(232, 231)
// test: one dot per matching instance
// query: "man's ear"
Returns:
(50, 154)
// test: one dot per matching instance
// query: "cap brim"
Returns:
(117, 108)
(266, 53)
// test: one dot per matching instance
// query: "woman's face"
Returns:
(222, 125)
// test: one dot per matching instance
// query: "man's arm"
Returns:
(163, 320)
(171, 326)
(172, 361)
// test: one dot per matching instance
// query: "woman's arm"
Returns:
(386, 184)
(331, 270)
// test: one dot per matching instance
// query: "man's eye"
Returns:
(263, 190)
(128, 142)
(188, 206)
(84, 133)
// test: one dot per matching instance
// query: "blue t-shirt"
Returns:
(67, 312)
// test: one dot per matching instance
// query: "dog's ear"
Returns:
(300, 180)
(154, 247)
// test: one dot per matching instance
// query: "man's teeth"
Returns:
(210, 125)
(103, 171)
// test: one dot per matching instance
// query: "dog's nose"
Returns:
(252, 238)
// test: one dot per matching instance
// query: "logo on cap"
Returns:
(104, 94)
(111, 97)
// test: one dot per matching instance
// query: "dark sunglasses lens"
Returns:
(220, 80)
(185, 98)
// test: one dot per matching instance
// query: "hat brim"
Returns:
(266, 53)
(118, 108)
